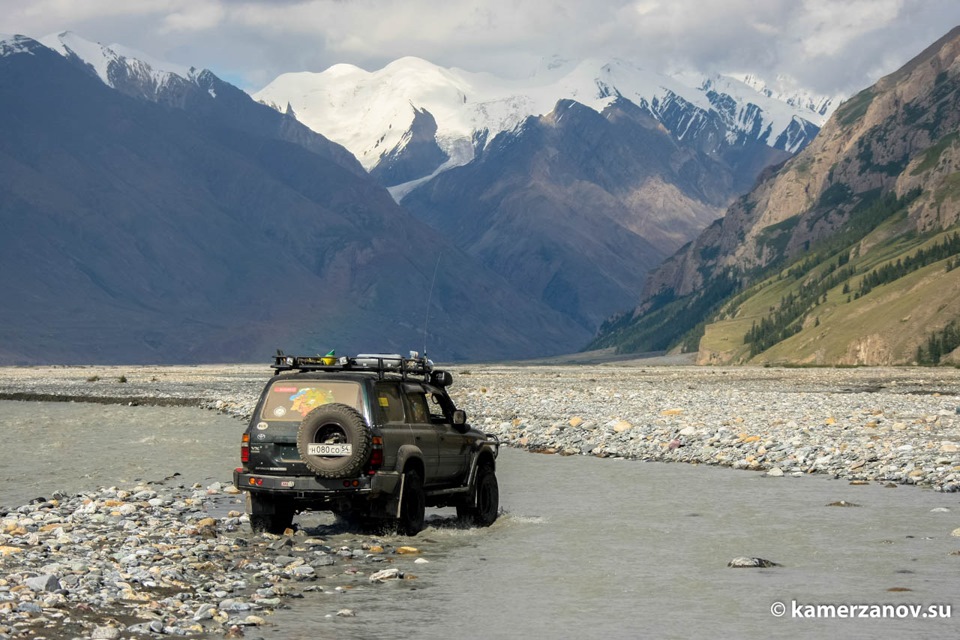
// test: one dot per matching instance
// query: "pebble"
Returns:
(105, 633)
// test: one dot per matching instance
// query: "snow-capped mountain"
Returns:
(13, 44)
(123, 68)
(200, 225)
(373, 113)
(200, 92)
(784, 90)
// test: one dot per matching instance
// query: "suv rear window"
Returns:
(293, 399)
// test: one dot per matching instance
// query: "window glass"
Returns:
(438, 408)
(390, 403)
(291, 400)
(418, 407)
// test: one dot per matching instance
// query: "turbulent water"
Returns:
(585, 548)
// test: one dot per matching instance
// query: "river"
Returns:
(585, 547)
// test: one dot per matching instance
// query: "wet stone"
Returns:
(751, 563)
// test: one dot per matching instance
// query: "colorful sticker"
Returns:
(285, 389)
(306, 400)
(384, 401)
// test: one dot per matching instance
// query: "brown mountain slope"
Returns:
(881, 176)
(867, 145)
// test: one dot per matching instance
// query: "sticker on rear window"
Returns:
(384, 401)
(306, 400)
(285, 389)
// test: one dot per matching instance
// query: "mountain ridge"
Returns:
(882, 170)
(160, 231)
(369, 112)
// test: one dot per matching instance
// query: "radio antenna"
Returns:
(426, 316)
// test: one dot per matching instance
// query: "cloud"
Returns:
(829, 46)
(197, 16)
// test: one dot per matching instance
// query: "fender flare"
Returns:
(407, 453)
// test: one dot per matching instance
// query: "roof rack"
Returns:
(380, 363)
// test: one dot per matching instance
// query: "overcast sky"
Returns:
(828, 46)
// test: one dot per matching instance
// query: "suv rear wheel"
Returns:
(270, 516)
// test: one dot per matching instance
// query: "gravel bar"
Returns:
(898, 425)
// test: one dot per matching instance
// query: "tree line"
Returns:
(787, 319)
(939, 344)
(894, 271)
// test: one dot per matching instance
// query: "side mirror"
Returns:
(459, 418)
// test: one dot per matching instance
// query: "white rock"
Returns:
(386, 574)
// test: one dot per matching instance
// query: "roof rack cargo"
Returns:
(381, 363)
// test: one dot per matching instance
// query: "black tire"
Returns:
(484, 506)
(270, 516)
(413, 504)
(334, 424)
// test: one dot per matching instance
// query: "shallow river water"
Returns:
(585, 548)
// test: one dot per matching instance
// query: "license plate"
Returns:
(317, 449)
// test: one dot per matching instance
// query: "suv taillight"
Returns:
(245, 448)
(376, 455)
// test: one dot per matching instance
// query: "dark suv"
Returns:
(371, 437)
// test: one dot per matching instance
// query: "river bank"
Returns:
(160, 559)
(898, 425)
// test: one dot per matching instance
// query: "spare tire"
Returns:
(334, 424)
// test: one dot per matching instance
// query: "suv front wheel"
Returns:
(483, 508)
(412, 505)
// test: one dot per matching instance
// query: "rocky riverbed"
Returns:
(157, 560)
(899, 425)
(887, 425)
(167, 559)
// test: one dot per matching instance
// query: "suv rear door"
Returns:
(399, 429)
(425, 436)
(285, 402)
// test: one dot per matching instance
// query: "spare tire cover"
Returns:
(334, 424)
